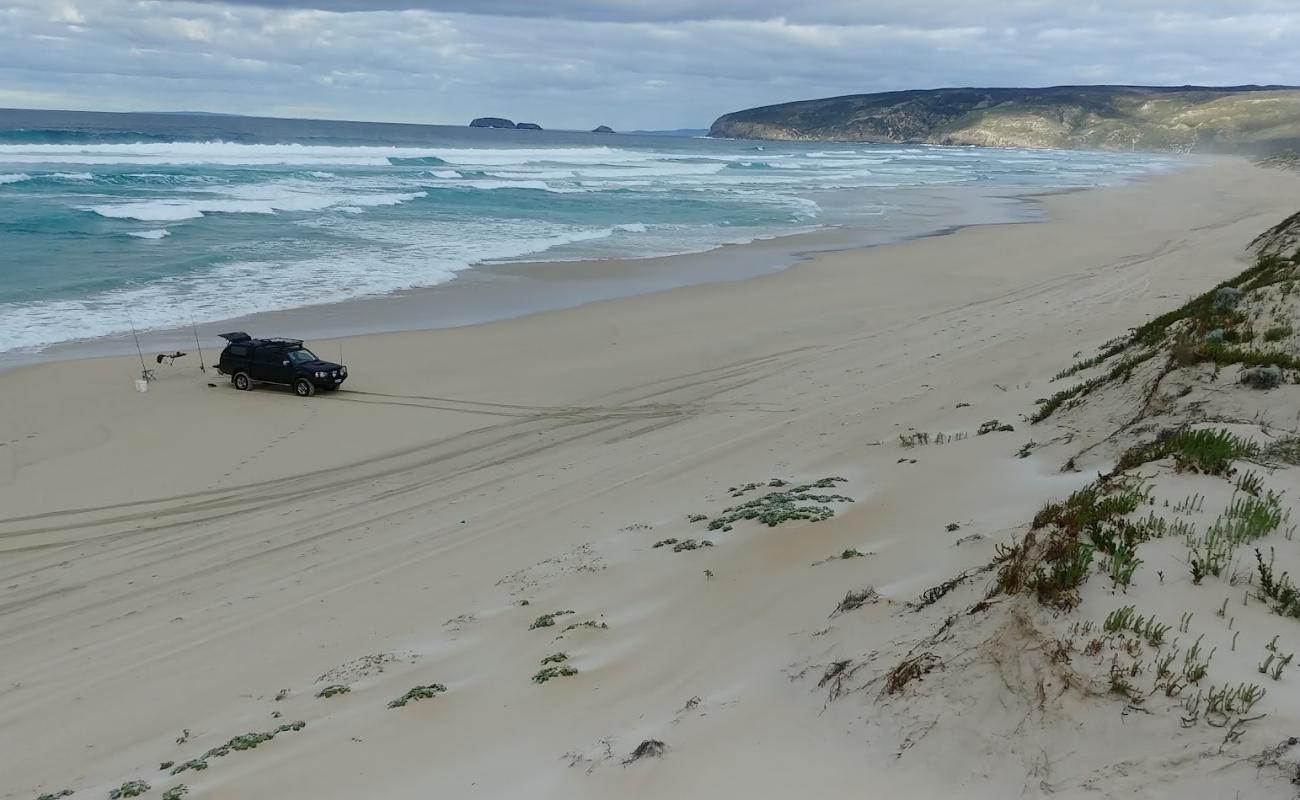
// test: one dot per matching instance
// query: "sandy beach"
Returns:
(187, 565)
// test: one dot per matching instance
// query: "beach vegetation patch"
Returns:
(176, 792)
(129, 789)
(333, 690)
(549, 673)
(1277, 333)
(1057, 555)
(416, 693)
(993, 425)
(1205, 450)
(1127, 619)
(1277, 590)
(547, 620)
(691, 544)
(55, 795)
(853, 600)
(911, 669)
(1215, 327)
(1282, 451)
(244, 741)
(784, 505)
(650, 748)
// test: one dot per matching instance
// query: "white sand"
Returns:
(170, 561)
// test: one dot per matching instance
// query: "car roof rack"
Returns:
(280, 342)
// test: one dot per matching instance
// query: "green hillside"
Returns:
(1247, 119)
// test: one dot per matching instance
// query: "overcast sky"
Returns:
(628, 63)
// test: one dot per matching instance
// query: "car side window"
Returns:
(266, 357)
(238, 352)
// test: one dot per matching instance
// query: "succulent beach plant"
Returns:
(129, 789)
(547, 673)
(418, 693)
(547, 620)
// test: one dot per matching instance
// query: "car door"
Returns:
(268, 365)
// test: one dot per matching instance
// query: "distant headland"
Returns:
(1248, 119)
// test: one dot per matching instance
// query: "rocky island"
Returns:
(492, 122)
(1258, 119)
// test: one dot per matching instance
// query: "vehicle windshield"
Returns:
(301, 356)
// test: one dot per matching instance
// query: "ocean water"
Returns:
(114, 221)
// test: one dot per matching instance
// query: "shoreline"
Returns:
(499, 291)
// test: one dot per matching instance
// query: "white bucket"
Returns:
(141, 385)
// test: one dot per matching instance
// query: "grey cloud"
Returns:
(936, 12)
(674, 63)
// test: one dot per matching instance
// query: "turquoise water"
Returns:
(112, 221)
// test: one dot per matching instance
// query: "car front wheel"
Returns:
(304, 388)
(242, 382)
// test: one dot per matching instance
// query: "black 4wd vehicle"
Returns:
(285, 361)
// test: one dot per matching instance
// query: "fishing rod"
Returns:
(193, 325)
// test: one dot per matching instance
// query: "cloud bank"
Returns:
(629, 63)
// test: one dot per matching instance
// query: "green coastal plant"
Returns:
(1278, 591)
(129, 789)
(176, 792)
(774, 508)
(1250, 482)
(1208, 329)
(416, 693)
(548, 673)
(1127, 619)
(333, 691)
(691, 544)
(547, 620)
(244, 741)
(1121, 564)
(1277, 333)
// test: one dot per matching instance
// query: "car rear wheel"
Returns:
(242, 382)
(304, 388)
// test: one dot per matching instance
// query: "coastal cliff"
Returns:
(1183, 119)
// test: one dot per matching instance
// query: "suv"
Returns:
(283, 361)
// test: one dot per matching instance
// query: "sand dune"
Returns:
(175, 561)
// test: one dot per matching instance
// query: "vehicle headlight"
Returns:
(322, 375)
